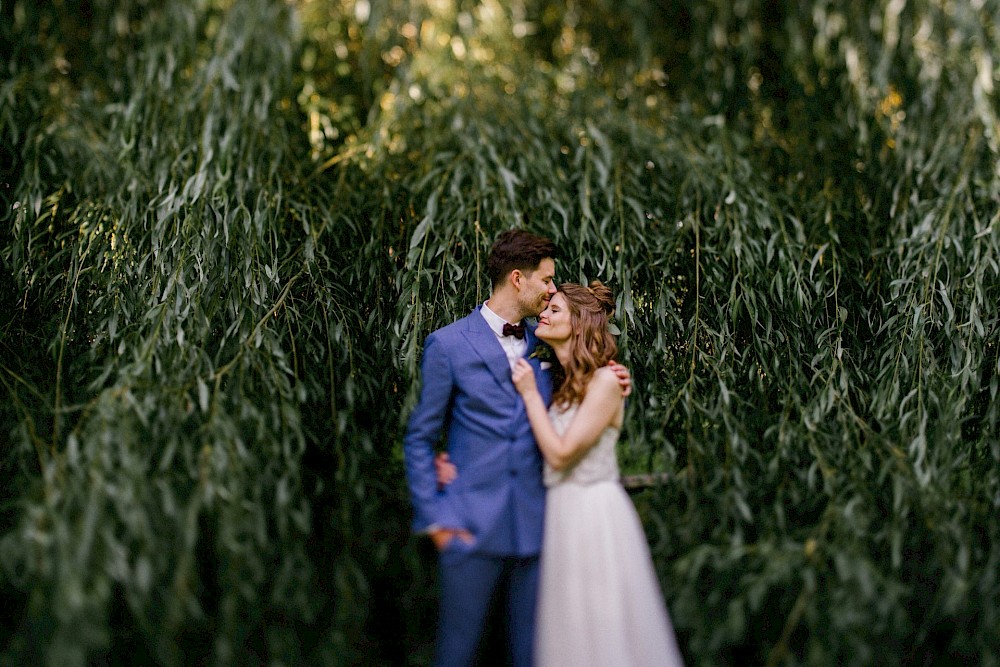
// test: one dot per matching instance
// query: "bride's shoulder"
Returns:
(605, 372)
(604, 377)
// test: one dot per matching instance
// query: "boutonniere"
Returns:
(543, 352)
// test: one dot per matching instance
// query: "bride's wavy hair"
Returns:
(592, 345)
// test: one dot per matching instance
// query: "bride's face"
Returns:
(554, 324)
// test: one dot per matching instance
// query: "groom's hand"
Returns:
(443, 536)
(624, 377)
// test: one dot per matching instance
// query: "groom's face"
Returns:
(537, 287)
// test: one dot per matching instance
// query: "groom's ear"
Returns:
(515, 277)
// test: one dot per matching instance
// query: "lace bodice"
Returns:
(600, 464)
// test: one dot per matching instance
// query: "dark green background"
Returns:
(227, 227)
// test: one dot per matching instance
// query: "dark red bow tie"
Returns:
(515, 330)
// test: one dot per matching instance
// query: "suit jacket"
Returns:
(468, 396)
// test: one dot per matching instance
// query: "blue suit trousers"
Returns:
(470, 581)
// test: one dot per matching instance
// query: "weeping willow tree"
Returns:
(228, 227)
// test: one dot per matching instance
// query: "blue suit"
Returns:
(467, 395)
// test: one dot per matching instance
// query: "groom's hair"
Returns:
(517, 249)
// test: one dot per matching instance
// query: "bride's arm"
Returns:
(596, 412)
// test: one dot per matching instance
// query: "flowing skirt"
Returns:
(600, 602)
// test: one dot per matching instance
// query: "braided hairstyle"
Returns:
(592, 345)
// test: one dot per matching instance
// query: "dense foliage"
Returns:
(227, 227)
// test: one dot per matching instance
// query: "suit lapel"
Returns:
(484, 343)
(529, 337)
(543, 378)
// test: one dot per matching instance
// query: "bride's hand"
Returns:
(444, 469)
(524, 377)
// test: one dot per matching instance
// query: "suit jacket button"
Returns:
(513, 473)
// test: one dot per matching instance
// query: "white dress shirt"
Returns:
(514, 347)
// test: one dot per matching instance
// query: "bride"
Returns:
(599, 599)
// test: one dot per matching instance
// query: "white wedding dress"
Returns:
(600, 602)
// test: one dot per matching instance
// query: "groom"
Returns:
(486, 524)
